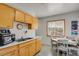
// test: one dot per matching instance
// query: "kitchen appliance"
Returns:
(6, 37)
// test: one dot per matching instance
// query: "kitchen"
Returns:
(29, 30)
(17, 33)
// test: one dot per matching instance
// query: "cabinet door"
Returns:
(19, 16)
(28, 19)
(24, 51)
(27, 48)
(10, 51)
(6, 16)
(32, 49)
(38, 45)
(35, 23)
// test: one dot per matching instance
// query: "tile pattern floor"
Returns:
(46, 51)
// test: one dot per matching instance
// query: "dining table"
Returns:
(70, 42)
(73, 44)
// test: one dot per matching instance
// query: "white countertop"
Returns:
(15, 43)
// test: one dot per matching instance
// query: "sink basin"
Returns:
(19, 40)
(28, 38)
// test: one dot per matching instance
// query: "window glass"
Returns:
(56, 28)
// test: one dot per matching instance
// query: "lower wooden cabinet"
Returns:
(24, 51)
(38, 45)
(32, 48)
(10, 51)
(29, 48)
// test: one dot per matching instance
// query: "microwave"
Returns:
(6, 37)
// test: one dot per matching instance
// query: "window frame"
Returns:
(55, 21)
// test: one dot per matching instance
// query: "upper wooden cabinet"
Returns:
(19, 16)
(35, 23)
(32, 23)
(28, 19)
(9, 14)
(6, 16)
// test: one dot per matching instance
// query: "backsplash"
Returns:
(21, 33)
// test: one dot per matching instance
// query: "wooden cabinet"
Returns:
(10, 51)
(28, 19)
(24, 49)
(32, 23)
(29, 48)
(32, 48)
(6, 16)
(38, 45)
(19, 16)
(9, 14)
(35, 23)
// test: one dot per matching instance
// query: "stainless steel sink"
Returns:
(19, 40)
(23, 39)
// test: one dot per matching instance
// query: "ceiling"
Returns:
(46, 9)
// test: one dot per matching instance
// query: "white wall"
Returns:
(21, 33)
(68, 18)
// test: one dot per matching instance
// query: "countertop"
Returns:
(16, 43)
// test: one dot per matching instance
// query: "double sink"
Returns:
(23, 39)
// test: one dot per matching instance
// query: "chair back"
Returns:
(63, 42)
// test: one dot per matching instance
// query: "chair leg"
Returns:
(67, 53)
(57, 52)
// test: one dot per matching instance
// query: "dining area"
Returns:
(64, 46)
(64, 40)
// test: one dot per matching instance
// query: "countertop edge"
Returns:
(15, 43)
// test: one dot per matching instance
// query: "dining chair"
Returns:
(62, 45)
(74, 50)
(53, 46)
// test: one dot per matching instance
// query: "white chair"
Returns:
(62, 45)
(74, 49)
(53, 47)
